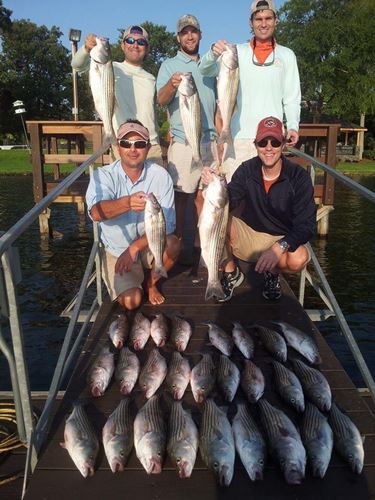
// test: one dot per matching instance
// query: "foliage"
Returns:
(5, 21)
(35, 68)
(333, 41)
(369, 154)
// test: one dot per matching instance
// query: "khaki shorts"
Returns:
(242, 150)
(154, 154)
(185, 178)
(250, 244)
(119, 283)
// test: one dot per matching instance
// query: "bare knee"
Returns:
(174, 245)
(297, 260)
(130, 299)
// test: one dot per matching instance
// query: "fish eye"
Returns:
(174, 386)
(261, 461)
(159, 454)
(121, 453)
(178, 460)
(216, 465)
(292, 400)
(203, 387)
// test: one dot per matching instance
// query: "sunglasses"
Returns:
(256, 63)
(274, 143)
(140, 41)
(124, 143)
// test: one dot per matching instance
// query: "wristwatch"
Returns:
(284, 245)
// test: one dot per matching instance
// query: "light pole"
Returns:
(19, 109)
(75, 37)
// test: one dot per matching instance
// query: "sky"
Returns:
(218, 18)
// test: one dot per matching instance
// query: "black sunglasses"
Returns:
(140, 41)
(274, 143)
(124, 143)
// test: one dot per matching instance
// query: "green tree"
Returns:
(34, 67)
(5, 21)
(332, 40)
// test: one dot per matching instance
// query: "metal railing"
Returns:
(323, 288)
(16, 361)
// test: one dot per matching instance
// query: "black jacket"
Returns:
(287, 209)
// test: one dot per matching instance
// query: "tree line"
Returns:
(332, 40)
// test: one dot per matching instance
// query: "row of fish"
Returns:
(216, 438)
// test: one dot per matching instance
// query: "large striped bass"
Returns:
(212, 231)
(190, 111)
(80, 440)
(227, 87)
(102, 84)
(155, 230)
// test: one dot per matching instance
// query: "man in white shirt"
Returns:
(134, 87)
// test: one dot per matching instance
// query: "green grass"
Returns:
(18, 161)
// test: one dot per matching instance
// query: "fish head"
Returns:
(84, 459)
(97, 389)
(138, 344)
(230, 56)
(318, 465)
(101, 53)
(354, 454)
(293, 462)
(153, 465)
(296, 399)
(180, 344)
(200, 394)
(116, 465)
(223, 472)
(177, 391)
(184, 467)
(152, 204)
(323, 399)
(217, 194)
(187, 85)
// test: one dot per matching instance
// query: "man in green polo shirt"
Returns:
(185, 178)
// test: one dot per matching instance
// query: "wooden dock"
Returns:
(56, 477)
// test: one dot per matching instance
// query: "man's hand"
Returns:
(219, 47)
(269, 259)
(137, 201)
(126, 259)
(175, 80)
(207, 176)
(90, 42)
(292, 137)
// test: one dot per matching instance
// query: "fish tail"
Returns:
(225, 137)
(196, 163)
(160, 271)
(214, 289)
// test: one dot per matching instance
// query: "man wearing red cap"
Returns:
(116, 198)
(269, 83)
(278, 215)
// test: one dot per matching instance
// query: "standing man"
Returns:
(269, 83)
(134, 87)
(180, 160)
(116, 198)
(278, 215)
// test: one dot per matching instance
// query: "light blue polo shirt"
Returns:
(206, 86)
(110, 183)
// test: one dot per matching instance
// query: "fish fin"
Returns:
(196, 163)
(225, 137)
(214, 289)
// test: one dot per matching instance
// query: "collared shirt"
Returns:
(288, 208)
(206, 86)
(110, 183)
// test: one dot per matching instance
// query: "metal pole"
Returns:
(75, 85)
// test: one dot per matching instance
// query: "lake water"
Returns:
(52, 272)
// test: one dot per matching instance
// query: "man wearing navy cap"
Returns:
(278, 216)
(134, 87)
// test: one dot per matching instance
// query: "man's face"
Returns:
(269, 154)
(189, 39)
(263, 24)
(134, 53)
(133, 157)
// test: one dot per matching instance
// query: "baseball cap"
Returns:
(270, 127)
(258, 5)
(187, 20)
(128, 127)
(135, 30)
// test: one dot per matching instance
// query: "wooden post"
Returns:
(329, 187)
(56, 166)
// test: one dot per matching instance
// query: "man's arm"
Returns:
(168, 91)
(108, 209)
(208, 64)
(292, 100)
(81, 59)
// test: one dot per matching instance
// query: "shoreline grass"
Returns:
(18, 162)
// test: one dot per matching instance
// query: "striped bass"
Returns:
(300, 341)
(202, 378)
(227, 87)
(288, 386)
(118, 436)
(190, 111)
(155, 230)
(213, 222)
(80, 440)
(273, 342)
(101, 371)
(153, 373)
(140, 331)
(150, 436)
(315, 385)
(183, 440)
(118, 330)
(252, 381)
(178, 376)
(102, 84)
(242, 340)
(285, 442)
(127, 370)
(228, 377)
(216, 443)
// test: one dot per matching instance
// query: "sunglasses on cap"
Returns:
(139, 144)
(139, 41)
(263, 143)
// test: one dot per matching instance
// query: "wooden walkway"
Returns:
(56, 477)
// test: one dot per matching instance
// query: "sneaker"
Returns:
(272, 287)
(229, 282)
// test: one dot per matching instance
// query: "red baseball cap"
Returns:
(270, 127)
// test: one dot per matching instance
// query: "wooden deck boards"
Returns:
(56, 477)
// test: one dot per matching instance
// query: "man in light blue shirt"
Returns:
(116, 198)
(185, 176)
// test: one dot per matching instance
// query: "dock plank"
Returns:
(56, 477)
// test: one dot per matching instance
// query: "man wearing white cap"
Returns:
(269, 83)
(134, 87)
(116, 199)
(185, 175)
